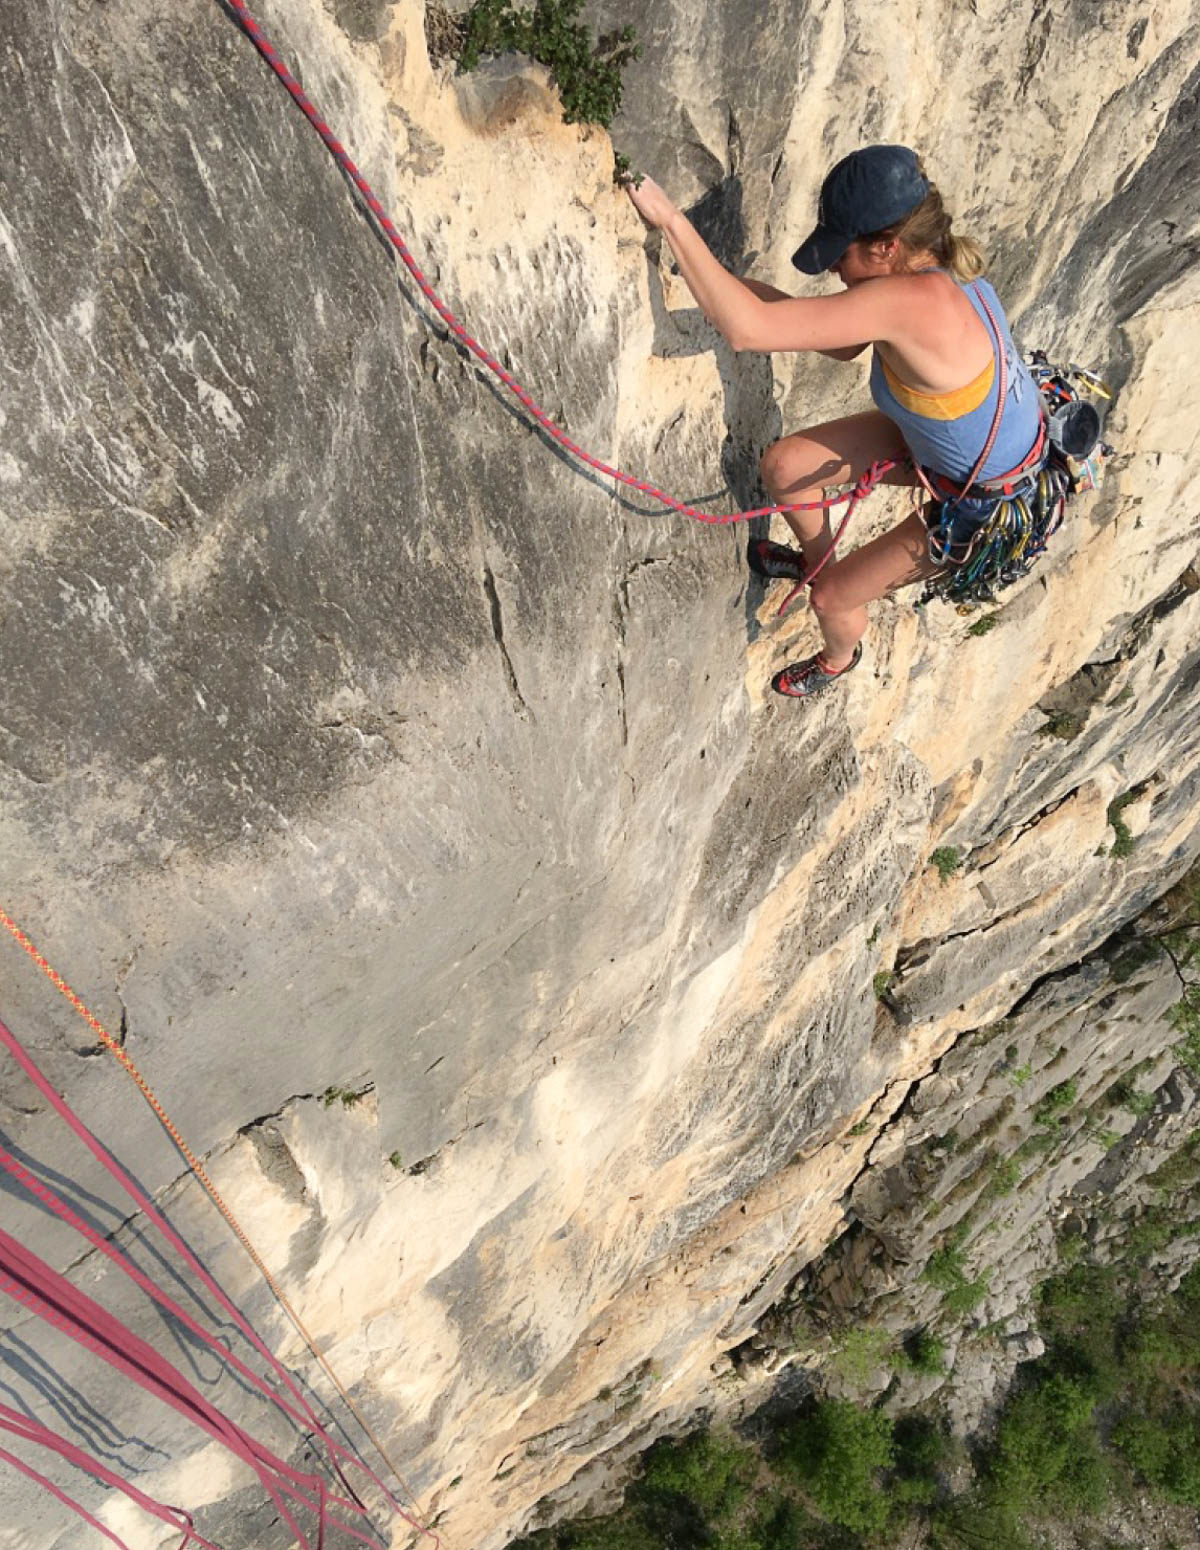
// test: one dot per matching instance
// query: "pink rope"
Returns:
(48, 1485)
(301, 1411)
(33, 1283)
(33, 1431)
(139, 1278)
(29, 1280)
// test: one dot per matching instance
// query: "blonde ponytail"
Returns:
(965, 259)
(927, 230)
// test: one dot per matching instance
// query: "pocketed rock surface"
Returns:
(417, 808)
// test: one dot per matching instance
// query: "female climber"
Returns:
(955, 404)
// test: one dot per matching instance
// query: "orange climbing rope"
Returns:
(114, 1047)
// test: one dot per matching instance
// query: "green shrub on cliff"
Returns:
(1165, 1450)
(835, 1453)
(1048, 1455)
(587, 72)
(944, 1270)
(707, 1474)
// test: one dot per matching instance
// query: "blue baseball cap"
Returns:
(866, 192)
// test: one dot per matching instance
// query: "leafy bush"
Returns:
(1165, 1450)
(1055, 1104)
(946, 860)
(588, 74)
(923, 1352)
(961, 1300)
(835, 1454)
(978, 1522)
(944, 1270)
(1005, 1178)
(921, 1447)
(711, 1470)
(1125, 1094)
(861, 1353)
(1048, 1453)
(1124, 843)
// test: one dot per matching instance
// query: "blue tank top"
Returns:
(948, 431)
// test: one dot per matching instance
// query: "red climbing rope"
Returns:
(29, 1280)
(37, 1286)
(67, 1501)
(300, 1410)
(19, 1425)
(337, 150)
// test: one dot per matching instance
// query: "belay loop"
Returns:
(1021, 513)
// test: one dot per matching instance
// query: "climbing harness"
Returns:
(986, 534)
(32, 1282)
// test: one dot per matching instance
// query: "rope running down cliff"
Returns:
(114, 1048)
(877, 471)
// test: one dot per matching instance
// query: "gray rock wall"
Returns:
(352, 741)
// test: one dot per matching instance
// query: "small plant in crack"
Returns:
(346, 1096)
(1063, 724)
(945, 1271)
(1057, 1103)
(623, 173)
(1124, 843)
(945, 861)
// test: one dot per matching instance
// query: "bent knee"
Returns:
(770, 465)
(787, 465)
(827, 596)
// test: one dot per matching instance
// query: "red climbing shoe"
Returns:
(774, 561)
(800, 679)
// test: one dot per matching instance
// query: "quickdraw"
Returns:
(1021, 514)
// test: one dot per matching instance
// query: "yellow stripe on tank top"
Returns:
(941, 406)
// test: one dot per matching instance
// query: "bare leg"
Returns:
(800, 466)
(844, 587)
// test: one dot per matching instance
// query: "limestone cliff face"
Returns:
(352, 741)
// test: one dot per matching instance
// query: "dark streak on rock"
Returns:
(493, 597)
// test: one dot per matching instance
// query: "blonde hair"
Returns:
(927, 230)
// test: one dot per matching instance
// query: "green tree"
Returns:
(835, 1453)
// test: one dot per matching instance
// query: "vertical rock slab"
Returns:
(414, 806)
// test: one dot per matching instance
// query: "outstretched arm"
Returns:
(766, 292)
(750, 314)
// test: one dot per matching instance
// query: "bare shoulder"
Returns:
(929, 290)
(923, 306)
